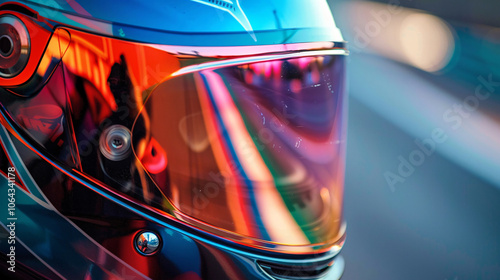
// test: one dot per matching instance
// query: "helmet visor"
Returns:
(246, 146)
(253, 149)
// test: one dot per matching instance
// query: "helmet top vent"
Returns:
(223, 4)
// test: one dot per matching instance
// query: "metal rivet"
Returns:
(147, 243)
(114, 142)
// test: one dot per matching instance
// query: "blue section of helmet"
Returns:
(198, 22)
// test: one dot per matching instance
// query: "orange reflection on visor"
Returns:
(252, 151)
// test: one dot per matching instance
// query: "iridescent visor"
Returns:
(254, 149)
(246, 144)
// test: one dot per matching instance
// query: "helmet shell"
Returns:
(198, 22)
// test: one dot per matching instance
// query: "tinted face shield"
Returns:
(249, 148)
(255, 149)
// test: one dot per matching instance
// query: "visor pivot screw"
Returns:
(14, 45)
(147, 243)
(114, 142)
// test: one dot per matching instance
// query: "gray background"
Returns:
(443, 221)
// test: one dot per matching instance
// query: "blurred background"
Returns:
(422, 194)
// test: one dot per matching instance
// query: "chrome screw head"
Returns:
(114, 142)
(147, 243)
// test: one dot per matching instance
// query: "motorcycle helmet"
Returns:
(177, 139)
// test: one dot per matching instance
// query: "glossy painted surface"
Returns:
(81, 210)
(230, 150)
(198, 22)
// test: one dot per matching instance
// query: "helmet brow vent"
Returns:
(298, 271)
(223, 4)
